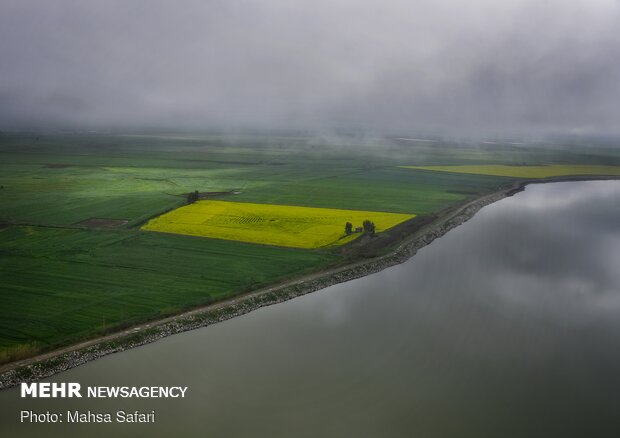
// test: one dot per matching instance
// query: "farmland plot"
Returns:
(553, 170)
(281, 225)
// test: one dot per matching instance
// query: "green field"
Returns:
(63, 278)
(66, 188)
(60, 285)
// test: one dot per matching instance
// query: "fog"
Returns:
(404, 64)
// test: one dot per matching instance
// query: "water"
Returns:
(508, 326)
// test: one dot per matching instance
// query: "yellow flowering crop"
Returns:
(281, 225)
(525, 171)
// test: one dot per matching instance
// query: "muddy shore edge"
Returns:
(48, 364)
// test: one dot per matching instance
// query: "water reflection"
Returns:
(506, 326)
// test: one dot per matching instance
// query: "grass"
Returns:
(282, 225)
(62, 285)
(526, 171)
(64, 180)
(60, 282)
(59, 285)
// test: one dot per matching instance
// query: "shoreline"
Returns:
(57, 361)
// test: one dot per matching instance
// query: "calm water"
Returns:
(508, 326)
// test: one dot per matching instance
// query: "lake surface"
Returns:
(508, 326)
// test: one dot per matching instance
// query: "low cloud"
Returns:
(482, 64)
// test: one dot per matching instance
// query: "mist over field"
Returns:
(520, 65)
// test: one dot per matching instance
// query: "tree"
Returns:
(192, 197)
(369, 227)
(348, 228)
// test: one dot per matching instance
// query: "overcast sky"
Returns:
(419, 64)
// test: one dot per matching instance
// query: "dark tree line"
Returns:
(368, 228)
(192, 197)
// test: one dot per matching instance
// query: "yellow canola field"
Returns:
(526, 171)
(281, 225)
